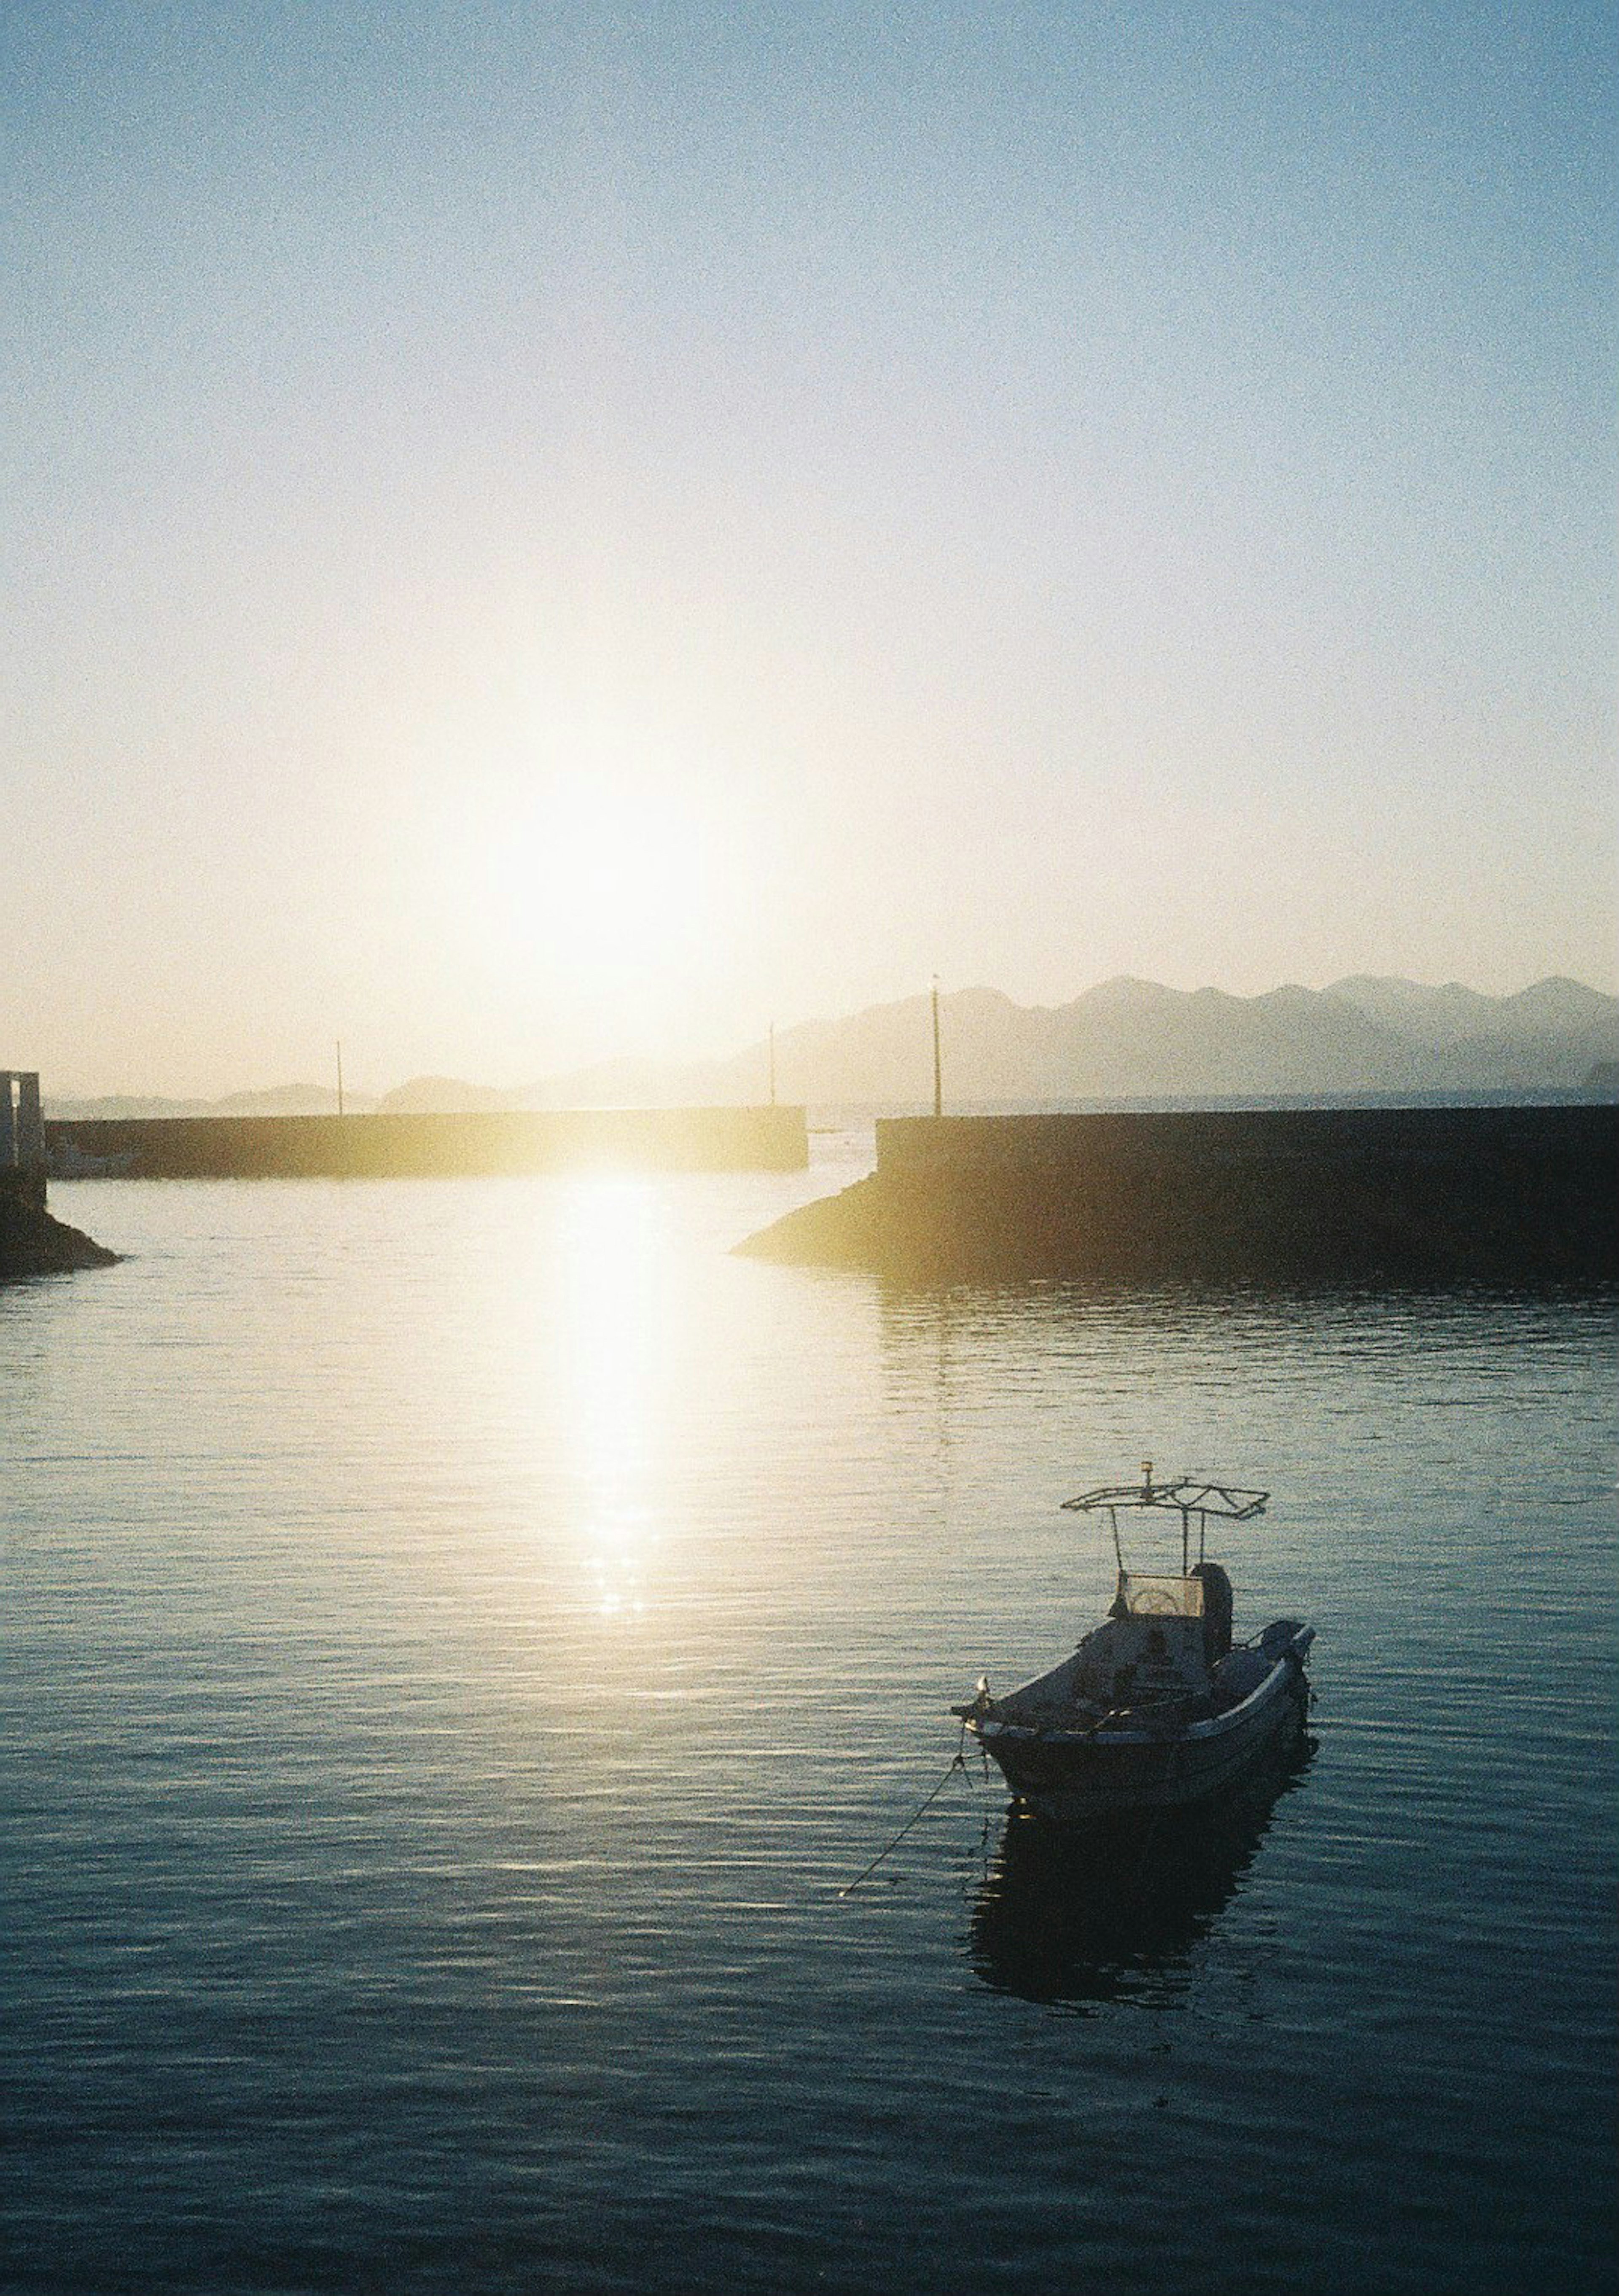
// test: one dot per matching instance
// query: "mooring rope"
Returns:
(958, 1763)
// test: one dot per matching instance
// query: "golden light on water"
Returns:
(614, 1297)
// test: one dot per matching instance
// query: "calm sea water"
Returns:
(461, 1637)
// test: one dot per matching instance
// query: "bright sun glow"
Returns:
(591, 867)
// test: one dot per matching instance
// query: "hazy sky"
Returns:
(535, 531)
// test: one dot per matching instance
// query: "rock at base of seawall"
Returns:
(33, 1244)
(849, 1230)
(916, 1235)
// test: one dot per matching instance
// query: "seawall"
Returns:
(399, 1146)
(1515, 1195)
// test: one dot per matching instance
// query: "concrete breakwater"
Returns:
(412, 1146)
(1515, 1195)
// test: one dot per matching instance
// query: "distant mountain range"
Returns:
(1126, 1039)
(1135, 1039)
(278, 1100)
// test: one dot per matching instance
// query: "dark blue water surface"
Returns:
(461, 1637)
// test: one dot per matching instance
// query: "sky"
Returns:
(538, 532)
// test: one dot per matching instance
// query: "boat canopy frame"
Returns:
(1187, 1495)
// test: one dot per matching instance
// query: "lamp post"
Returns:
(938, 1073)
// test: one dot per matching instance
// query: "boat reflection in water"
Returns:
(1105, 1912)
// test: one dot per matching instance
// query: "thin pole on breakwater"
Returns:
(340, 1075)
(938, 1073)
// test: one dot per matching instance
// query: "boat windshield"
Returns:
(1143, 1596)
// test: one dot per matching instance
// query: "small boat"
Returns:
(1157, 1708)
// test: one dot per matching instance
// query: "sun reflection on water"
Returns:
(615, 1294)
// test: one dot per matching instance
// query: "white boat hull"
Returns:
(1072, 1774)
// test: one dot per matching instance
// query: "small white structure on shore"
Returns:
(22, 1125)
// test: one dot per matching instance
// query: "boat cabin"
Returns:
(1161, 1639)
(1167, 1630)
(1164, 1648)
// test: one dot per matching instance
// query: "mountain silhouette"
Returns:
(1136, 1039)
(1126, 1039)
